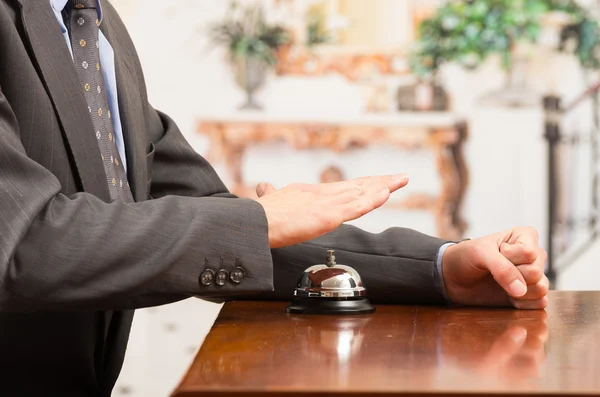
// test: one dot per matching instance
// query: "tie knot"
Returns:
(81, 4)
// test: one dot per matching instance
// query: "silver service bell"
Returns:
(330, 288)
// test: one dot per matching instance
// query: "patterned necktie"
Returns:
(84, 30)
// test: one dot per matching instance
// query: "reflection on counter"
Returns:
(256, 348)
(394, 348)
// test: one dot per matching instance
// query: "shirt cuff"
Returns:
(438, 274)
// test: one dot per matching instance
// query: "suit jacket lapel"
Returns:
(131, 111)
(62, 83)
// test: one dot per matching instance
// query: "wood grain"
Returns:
(255, 348)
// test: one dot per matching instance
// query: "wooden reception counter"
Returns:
(256, 349)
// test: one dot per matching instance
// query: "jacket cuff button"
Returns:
(237, 275)
(221, 277)
(207, 277)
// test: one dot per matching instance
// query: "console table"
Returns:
(257, 349)
(444, 133)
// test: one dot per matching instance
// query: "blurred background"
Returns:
(490, 106)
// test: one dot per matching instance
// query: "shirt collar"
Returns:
(59, 5)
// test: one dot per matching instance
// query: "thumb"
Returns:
(506, 274)
(264, 188)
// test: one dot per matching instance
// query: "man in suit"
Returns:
(105, 208)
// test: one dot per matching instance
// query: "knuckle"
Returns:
(534, 232)
(358, 191)
(541, 303)
(531, 231)
(536, 291)
(362, 207)
(544, 285)
(535, 275)
(529, 253)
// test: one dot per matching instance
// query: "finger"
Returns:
(507, 345)
(531, 304)
(505, 274)
(524, 234)
(371, 187)
(392, 182)
(519, 253)
(357, 208)
(537, 290)
(357, 187)
(532, 273)
(264, 188)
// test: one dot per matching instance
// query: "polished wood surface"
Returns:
(255, 348)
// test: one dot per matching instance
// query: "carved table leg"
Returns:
(231, 152)
(448, 146)
(234, 154)
(463, 174)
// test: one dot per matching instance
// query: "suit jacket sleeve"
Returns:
(78, 252)
(397, 265)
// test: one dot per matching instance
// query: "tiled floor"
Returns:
(162, 344)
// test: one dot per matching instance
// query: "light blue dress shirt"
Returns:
(107, 59)
(439, 275)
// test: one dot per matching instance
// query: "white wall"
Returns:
(506, 154)
(505, 151)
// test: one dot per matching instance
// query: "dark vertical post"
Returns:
(552, 113)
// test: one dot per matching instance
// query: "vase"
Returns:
(516, 92)
(250, 75)
(422, 97)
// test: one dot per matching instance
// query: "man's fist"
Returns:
(301, 212)
(502, 269)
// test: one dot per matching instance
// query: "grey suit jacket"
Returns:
(73, 264)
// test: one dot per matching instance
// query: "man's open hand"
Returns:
(503, 269)
(301, 212)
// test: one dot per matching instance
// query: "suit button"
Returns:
(207, 277)
(221, 277)
(237, 275)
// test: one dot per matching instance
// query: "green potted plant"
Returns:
(252, 44)
(467, 32)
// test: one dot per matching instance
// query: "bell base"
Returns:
(330, 306)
